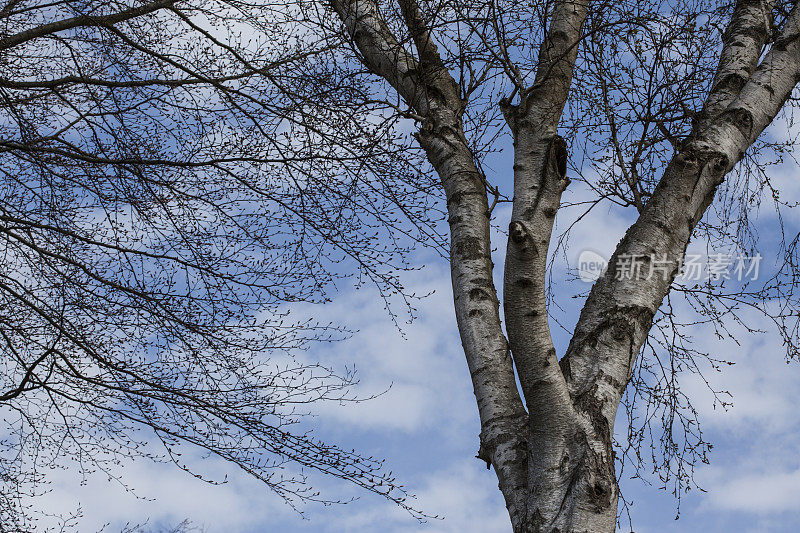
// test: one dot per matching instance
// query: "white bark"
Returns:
(554, 461)
(435, 97)
(569, 486)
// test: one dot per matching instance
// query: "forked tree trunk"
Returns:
(551, 447)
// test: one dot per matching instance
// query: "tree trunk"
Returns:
(553, 454)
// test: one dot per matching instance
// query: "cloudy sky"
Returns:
(425, 426)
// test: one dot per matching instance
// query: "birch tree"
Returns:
(163, 203)
(710, 77)
(177, 173)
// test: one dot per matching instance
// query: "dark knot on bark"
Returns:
(517, 232)
(687, 158)
(721, 164)
(483, 455)
(743, 120)
(559, 156)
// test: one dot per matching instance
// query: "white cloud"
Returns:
(767, 492)
(464, 495)
(164, 495)
(416, 371)
(765, 390)
(428, 411)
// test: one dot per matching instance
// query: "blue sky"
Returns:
(425, 426)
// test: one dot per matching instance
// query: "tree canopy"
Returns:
(176, 174)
